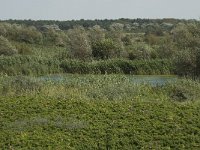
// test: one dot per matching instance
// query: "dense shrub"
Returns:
(79, 45)
(28, 65)
(139, 51)
(53, 37)
(105, 49)
(6, 47)
(185, 63)
(96, 33)
(29, 35)
(118, 66)
(21, 33)
(23, 48)
(3, 30)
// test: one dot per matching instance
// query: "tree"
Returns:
(186, 62)
(79, 46)
(104, 49)
(116, 34)
(127, 40)
(140, 51)
(58, 38)
(186, 36)
(29, 35)
(187, 39)
(3, 30)
(96, 33)
(166, 48)
(197, 72)
(6, 47)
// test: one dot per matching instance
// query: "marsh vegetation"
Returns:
(109, 84)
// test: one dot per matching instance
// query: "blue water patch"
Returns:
(153, 80)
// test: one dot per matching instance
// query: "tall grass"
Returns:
(28, 65)
(99, 87)
(35, 65)
(114, 66)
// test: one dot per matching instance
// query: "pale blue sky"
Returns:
(98, 9)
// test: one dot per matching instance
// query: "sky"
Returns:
(98, 9)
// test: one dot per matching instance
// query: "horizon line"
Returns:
(102, 19)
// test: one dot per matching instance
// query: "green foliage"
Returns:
(23, 48)
(187, 35)
(58, 38)
(185, 63)
(183, 90)
(28, 65)
(105, 49)
(97, 112)
(127, 40)
(29, 35)
(118, 66)
(79, 45)
(6, 47)
(152, 39)
(116, 34)
(121, 39)
(3, 30)
(96, 33)
(21, 33)
(140, 51)
(20, 85)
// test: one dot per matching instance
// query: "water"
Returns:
(153, 80)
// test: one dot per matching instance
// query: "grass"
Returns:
(98, 112)
(117, 66)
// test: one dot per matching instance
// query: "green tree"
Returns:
(53, 37)
(105, 49)
(96, 33)
(79, 46)
(116, 33)
(181, 35)
(186, 63)
(3, 30)
(29, 35)
(140, 51)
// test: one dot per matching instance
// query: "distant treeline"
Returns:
(65, 25)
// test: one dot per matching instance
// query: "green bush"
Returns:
(29, 35)
(23, 48)
(104, 49)
(140, 51)
(6, 47)
(79, 45)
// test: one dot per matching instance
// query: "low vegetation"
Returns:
(98, 112)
